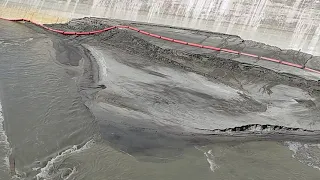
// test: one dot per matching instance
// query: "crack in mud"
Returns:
(259, 128)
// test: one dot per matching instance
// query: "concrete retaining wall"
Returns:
(288, 24)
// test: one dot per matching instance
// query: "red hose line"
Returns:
(166, 39)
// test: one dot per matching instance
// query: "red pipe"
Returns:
(195, 45)
(291, 64)
(250, 55)
(155, 35)
(83, 33)
(271, 59)
(144, 32)
(180, 42)
(212, 48)
(168, 39)
(69, 33)
(230, 51)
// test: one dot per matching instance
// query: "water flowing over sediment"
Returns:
(305, 153)
(210, 158)
(47, 171)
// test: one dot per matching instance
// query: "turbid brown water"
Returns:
(146, 123)
(39, 99)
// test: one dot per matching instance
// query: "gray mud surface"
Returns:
(164, 111)
(147, 92)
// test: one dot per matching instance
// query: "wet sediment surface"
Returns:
(163, 111)
(151, 78)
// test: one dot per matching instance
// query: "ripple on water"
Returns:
(47, 172)
(4, 144)
(308, 154)
(210, 158)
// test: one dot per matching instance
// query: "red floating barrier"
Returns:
(270, 59)
(212, 48)
(167, 39)
(132, 28)
(230, 51)
(144, 32)
(154, 35)
(180, 42)
(291, 64)
(250, 55)
(312, 70)
(195, 45)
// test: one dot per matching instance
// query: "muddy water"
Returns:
(255, 160)
(290, 24)
(42, 109)
(54, 136)
(4, 148)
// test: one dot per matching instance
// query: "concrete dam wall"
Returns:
(288, 24)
